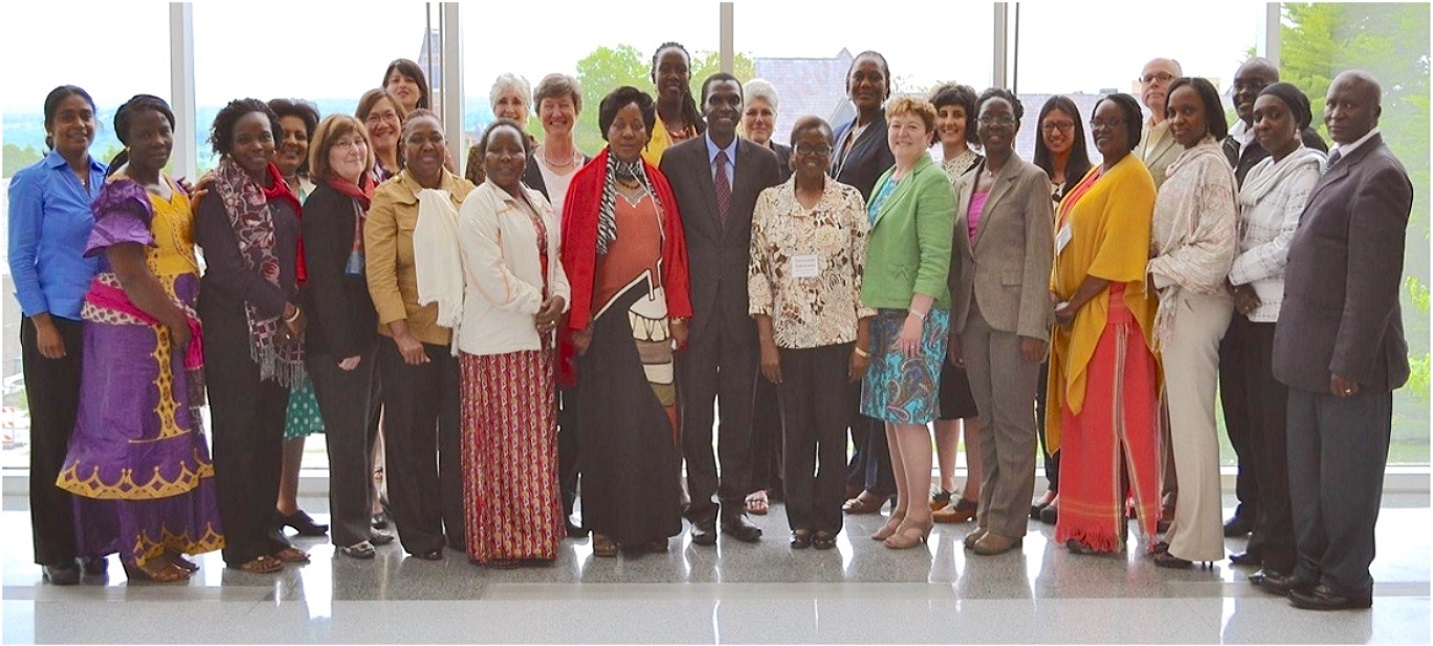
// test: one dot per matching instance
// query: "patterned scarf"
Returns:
(606, 214)
(361, 195)
(249, 215)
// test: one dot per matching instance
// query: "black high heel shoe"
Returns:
(301, 522)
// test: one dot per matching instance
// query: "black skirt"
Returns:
(956, 402)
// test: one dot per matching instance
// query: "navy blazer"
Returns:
(1340, 313)
(869, 158)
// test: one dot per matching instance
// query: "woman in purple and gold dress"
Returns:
(137, 463)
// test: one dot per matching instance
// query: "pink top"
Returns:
(972, 217)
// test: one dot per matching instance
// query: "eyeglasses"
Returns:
(1162, 77)
(1052, 126)
(1096, 124)
(1002, 120)
(813, 150)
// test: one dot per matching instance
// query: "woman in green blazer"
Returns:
(912, 211)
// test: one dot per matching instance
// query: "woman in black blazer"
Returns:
(860, 157)
(342, 333)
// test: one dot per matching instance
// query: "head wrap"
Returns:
(1295, 99)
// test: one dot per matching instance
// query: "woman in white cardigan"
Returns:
(1270, 203)
(514, 292)
(1195, 231)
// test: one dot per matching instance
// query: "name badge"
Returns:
(806, 266)
(1063, 238)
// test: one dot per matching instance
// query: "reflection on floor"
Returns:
(733, 593)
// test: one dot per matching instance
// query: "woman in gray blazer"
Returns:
(1003, 244)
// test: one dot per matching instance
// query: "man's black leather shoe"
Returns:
(1324, 598)
(704, 532)
(741, 528)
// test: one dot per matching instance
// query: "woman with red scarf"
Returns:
(248, 227)
(626, 261)
(342, 338)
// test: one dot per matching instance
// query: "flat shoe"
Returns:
(992, 544)
(973, 537)
(800, 540)
(380, 538)
(362, 550)
(262, 565)
(865, 503)
(430, 555)
(960, 511)
(823, 540)
(63, 574)
(603, 546)
(98, 566)
(292, 555)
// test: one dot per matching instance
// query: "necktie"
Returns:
(1333, 158)
(723, 187)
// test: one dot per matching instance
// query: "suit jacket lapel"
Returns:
(1002, 185)
(701, 165)
(966, 189)
(1342, 169)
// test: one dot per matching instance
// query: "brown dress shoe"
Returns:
(973, 537)
(991, 544)
(959, 511)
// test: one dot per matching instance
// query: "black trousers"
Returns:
(52, 389)
(569, 465)
(1239, 419)
(870, 466)
(1052, 460)
(248, 415)
(719, 367)
(348, 402)
(766, 441)
(1338, 450)
(1264, 404)
(421, 435)
(813, 393)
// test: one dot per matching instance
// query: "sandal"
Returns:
(362, 550)
(177, 560)
(864, 503)
(603, 546)
(156, 571)
(292, 555)
(756, 503)
(262, 565)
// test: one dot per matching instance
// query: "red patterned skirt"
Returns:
(510, 487)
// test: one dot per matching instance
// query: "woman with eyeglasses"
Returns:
(808, 250)
(382, 115)
(1003, 242)
(1102, 412)
(1060, 151)
(418, 371)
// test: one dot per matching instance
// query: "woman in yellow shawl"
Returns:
(1102, 413)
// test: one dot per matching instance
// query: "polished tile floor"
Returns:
(734, 593)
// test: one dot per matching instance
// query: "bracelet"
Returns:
(919, 315)
(861, 353)
(295, 317)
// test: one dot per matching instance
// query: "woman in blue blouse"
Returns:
(50, 222)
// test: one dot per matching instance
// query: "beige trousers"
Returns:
(1191, 372)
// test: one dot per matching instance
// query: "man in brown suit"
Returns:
(1339, 346)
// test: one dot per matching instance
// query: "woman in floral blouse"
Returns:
(808, 246)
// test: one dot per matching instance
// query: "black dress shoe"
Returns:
(430, 555)
(574, 530)
(97, 566)
(1324, 598)
(1050, 514)
(1283, 584)
(800, 540)
(704, 532)
(741, 528)
(1263, 575)
(66, 573)
(1252, 559)
(301, 522)
(1239, 525)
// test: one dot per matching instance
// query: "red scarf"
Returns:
(279, 188)
(362, 192)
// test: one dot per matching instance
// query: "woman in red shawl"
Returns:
(626, 260)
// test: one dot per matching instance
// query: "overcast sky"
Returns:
(330, 50)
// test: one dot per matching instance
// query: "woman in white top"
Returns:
(1270, 203)
(1194, 234)
(551, 165)
(514, 292)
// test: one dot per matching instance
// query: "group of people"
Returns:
(552, 323)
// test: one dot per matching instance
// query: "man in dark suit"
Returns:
(1242, 149)
(716, 179)
(1339, 346)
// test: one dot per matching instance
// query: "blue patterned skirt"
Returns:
(900, 389)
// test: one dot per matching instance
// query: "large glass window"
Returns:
(113, 51)
(605, 48)
(806, 52)
(1390, 41)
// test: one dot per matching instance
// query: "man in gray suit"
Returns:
(716, 179)
(1339, 346)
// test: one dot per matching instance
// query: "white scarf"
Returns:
(438, 259)
(1266, 175)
